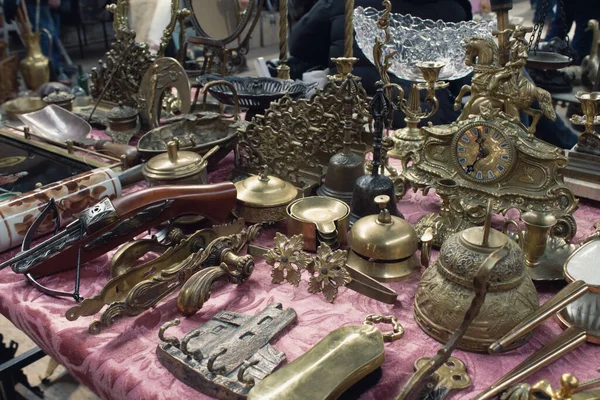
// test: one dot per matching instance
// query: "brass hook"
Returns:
(246, 381)
(196, 355)
(210, 365)
(173, 341)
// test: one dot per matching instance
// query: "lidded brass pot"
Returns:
(61, 99)
(123, 123)
(263, 198)
(176, 167)
(383, 246)
(446, 289)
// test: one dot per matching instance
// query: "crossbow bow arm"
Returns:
(107, 224)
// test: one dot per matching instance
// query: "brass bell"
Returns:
(383, 246)
(374, 184)
(345, 167)
(446, 289)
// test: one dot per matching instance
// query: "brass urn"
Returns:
(176, 167)
(35, 67)
(61, 99)
(446, 289)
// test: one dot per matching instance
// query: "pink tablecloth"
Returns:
(121, 363)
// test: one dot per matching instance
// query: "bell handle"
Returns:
(236, 102)
(426, 242)
(518, 232)
(569, 293)
(561, 345)
(488, 223)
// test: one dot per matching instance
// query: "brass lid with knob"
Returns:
(263, 198)
(265, 190)
(61, 99)
(175, 165)
(383, 246)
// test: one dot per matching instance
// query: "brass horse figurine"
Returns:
(502, 87)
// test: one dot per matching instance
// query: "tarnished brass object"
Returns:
(263, 198)
(383, 246)
(570, 389)
(160, 78)
(590, 63)
(533, 239)
(61, 99)
(34, 67)
(452, 375)
(150, 291)
(589, 141)
(452, 217)
(445, 288)
(328, 269)
(126, 276)
(22, 105)
(329, 368)
(298, 138)
(123, 123)
(502, 87)
(576, 307)
(320, 220)
(426, 378)
(345, 167)
(217, 359)
(492, 157)
(176, 167)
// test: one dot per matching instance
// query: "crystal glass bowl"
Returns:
(417, 40)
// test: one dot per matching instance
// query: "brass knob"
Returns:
(384, 216)
(264, 174)
(172, 148)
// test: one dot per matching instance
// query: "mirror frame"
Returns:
(249, 17)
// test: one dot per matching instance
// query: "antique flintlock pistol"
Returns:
(108, 224)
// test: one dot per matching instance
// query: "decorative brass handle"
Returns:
(518, 232)
(236, 102)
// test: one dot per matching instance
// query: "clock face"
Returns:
(483, 153)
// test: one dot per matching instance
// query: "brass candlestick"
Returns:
(346, 63)
(283, 70)
(589, 141)
(408, 139)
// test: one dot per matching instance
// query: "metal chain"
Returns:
(561, 5)
(397, 329)
(538, 28)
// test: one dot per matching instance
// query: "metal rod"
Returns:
(349, 29)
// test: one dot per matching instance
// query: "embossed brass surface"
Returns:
(383, 246)
(217, 359)
(492, 157)
(328, 269)
(297, 138)
(123, 123)
(339, 360)
(502, 87)
(420, 385)
(263, 198)
(445, 289)
(320, 220)
(149, 292)
(61, 99)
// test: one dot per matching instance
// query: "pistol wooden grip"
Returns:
(215, 202)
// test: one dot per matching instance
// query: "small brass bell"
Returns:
(374, 184)
(383, 246)
(345, 167)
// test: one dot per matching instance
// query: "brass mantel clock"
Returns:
(491, 155)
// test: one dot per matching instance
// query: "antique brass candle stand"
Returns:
(408, 139)
(584, 161)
